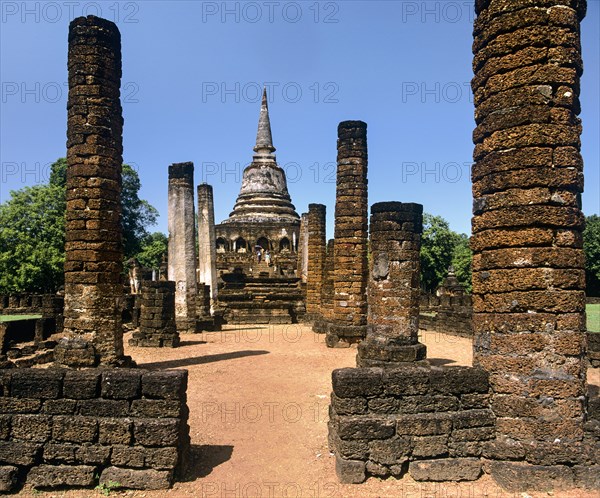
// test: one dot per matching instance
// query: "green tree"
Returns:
(58, 172)
(462, 258)
(152, 249)
(32, 231)
(32, 240)
(437, 249)
(137, 214)
(440, 248)
(591, 247)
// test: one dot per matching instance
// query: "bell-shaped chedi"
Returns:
(264, 195)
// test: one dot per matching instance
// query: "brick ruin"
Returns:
(63, 427)
(449, 310)
(349, 316)
(316, 259)
(528, 263)
(263, 220)
(182, 244)
(393, 291)
(157, 326)
(25, 342)
(80, 428)
(93, 250)
(522, 414)
(320, 323)
(395, 413)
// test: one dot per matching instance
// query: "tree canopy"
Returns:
(32, 240)
(591, 247)
(440, 248)
(32, 231)
(153, 246)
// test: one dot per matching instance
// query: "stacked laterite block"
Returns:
(326, 313)
(593, 353)
(351, 234)
(93, 251)
(83, 428)
(431, 422)
(528, 263)
(111, 426)
(394, 291)
(316, 259)
(182, 244)
(398, 414)
(157, 316)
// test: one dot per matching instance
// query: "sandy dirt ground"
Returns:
(258, 398)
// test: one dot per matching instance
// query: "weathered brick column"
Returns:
(316, 258)
(394, 291)
(93, 250)
(351, 232)
(528, 264)
(182, 244)
(303, 248)
(207, 249)
(157, 316)
(325, 316)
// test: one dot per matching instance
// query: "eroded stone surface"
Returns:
(93, 250)
(394, 286)
(351, 233)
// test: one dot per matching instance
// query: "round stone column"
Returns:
(528, 262)
(93, 251)
(316, 259)
(351, 235)
(394, 286)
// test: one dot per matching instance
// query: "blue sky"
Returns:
(192, 73)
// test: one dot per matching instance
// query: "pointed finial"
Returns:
(264, 141)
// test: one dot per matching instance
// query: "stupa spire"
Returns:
(264, 196)
(264, 140)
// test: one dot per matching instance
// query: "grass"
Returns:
(16, 318)
(593, 317)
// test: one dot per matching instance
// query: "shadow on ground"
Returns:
(199, 360)
(204, 458)
(438, 362)
(190, 343)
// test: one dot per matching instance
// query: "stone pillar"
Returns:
(528, 263)
(326, 314)
(93, 250)
(394, 286)
(351, 232)
(316, 259)
(303, 247)
(207, 250)
(157, 316)
(182, 244)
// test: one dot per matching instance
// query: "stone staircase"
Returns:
(263, 298)
(261, 269)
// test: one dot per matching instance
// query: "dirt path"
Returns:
(258, 399)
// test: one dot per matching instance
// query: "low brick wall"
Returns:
(593, 351)
(428, 421)
(436, 423)
(88, 427)
(446, 314)
(50, 306)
